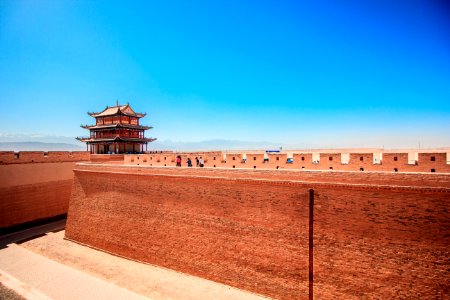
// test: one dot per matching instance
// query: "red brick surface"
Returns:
(11, 157)
(245, 234)
(250, 229)
(348, 177)
(30, 202)
(32, 191)
(381, 244)
(301, 160)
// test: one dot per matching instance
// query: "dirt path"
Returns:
(146, 280)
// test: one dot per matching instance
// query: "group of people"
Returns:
(198, 161)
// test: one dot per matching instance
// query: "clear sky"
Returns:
(332, 73)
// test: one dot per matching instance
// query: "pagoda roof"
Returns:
(118, 109)
(115, 126)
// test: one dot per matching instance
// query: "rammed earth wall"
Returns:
(35, 185)
(250, 229)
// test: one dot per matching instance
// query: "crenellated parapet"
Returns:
(26, 157)
(430, 162)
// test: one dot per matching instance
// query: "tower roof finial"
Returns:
(117, 102)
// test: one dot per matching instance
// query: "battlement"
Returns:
(25, 157)
(433, 162)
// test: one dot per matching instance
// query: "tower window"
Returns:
(433, 158)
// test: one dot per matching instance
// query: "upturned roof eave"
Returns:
(119, 110)
(115, 139)
(116, 125)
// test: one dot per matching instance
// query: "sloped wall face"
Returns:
(381, 244)
(251, 235)
(29, 192)
(370, 241)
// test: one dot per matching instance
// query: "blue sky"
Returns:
(328, 73)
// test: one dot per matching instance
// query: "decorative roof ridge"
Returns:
(117, 109)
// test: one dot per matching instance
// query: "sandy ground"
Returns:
(9, 294)
(151, 281)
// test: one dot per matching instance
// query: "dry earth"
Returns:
(151, 281)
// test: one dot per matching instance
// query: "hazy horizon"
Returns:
(315, 74)
(53, 143)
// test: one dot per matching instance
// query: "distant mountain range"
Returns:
(217, 145)
(56, 143)
(157, 145)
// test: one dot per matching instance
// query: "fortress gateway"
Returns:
(116, 130)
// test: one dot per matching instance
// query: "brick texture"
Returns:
(33, 191)
(249, 229)
(30, 202)
(391, 162)
(247, 235)
(24, 157)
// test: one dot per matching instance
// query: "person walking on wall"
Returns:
(178, 161)
(189, 162)
(197, 162)
(202, 162)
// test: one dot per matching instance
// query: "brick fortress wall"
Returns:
(35, 185)
(249, 229)
(438, 162)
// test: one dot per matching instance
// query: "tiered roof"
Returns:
(115, 139)
(118, 109)
(116, 125)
